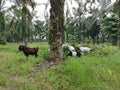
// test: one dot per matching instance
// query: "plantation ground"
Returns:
(97, 70)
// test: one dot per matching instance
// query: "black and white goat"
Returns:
(73, 54)
(71, 48)
(71, 51)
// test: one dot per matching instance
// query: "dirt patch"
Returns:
(46, 64)
(1, 56)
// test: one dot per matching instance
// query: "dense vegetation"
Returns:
(96, 70)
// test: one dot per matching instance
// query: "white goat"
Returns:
(84, 49)
(71, 48)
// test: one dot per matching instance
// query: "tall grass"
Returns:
(96, 70)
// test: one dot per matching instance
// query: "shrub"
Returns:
(3, 41)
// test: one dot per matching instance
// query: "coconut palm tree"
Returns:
(26, 16)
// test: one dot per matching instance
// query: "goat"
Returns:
(84, 49)
(28, 51)
(71, 48)
(74, 53)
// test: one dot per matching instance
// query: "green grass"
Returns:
(97, 70)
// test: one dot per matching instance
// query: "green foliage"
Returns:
(117, 7)
(3, 41)
(109, 28)
(65, 51)
(40, 30)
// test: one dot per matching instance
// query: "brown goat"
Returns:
(28, 51)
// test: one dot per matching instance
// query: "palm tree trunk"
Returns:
(2, 28)
(24, 27)
(56, 29)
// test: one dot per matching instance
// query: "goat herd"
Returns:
(71, 50)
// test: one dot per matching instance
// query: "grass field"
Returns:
(97, 70)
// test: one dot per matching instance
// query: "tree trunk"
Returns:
(24, 27)
(119, 24)
(2, 28)
(93, 40)
(56, 29)
(29, 32)
(119, 32)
